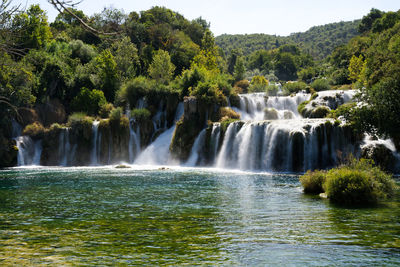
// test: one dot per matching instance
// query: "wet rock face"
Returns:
(190, 107)
(8, 152)
(381, 155)
(322, 102)
(52, 112)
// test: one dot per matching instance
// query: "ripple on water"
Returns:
(101, 216)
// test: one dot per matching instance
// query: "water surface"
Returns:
(107, 216)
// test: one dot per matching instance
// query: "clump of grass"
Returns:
(226, 113)
(302, 106)
(320, 112)
(35, 130)
(140, 114)
(312, 181)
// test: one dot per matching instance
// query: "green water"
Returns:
(105, 216)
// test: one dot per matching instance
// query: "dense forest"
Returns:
(318, 41)
(79, 67)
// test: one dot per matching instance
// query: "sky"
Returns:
(280, 17)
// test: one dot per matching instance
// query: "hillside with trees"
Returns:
(318, 41)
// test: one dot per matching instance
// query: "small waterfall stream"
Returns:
(94, 156)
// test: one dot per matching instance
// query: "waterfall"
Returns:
(214, 140)
(252, 105)
(134, 142)
(94, 156)
(157, 153)
(64, 147)
(29, 151)
(293, 145)
(196, 149)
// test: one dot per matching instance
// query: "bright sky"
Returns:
(280, 17)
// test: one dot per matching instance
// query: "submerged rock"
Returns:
(122, 166)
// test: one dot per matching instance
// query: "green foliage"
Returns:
(342, 110)
(190, 78)
(79, 117)
(80, 50)
(133, 90)
(312, 181)
(161, 69)
(116, 114)
(320, 85)
(356, 68)
(302, 106)
(140, 114)
(209, 92)
(369, 19)
(359, 183)
(320, 112)
(293, 87)
(108, 74)
(239, 69)
(89, 101)
(272, 89)
(35, 130)
(258, 84)
(33, 28)
(105, 110)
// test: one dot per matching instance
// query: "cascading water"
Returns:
(64, 149)
(252, 106)
(134, 142)
(94, 156)
(29, 151)
(288, 143)
(157, 153)
(292, 145)
(196, 149)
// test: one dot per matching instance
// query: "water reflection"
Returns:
(103, 216)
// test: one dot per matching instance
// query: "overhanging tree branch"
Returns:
(64, 6)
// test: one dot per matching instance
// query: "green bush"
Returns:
(302, 106)
(116, 114)
(312, 181)
(105, 110)
(342, 110)
(89, 101)
(294, 87)
(209, 93)
(320, 85)
(320, 112)
(358, 183)
(140, 114)
(258, 84)
(133, 90)
(272, 90)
